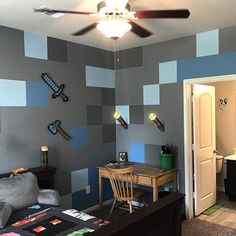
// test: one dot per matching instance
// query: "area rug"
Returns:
(212, 209)
(196, 227)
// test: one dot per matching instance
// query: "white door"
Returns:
(204, 145)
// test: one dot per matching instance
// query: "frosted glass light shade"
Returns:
(114, 28)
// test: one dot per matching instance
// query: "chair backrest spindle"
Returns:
(121, 182)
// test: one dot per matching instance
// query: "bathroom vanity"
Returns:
(230, 181)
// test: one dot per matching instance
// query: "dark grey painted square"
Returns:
(57, 50)
(227, 39)
(129, 86)
(165, 51)
(109, 133)
(132, 57)
(108, 97)
(94, 115)
(152, 154)
(107, 114)
(136, 114)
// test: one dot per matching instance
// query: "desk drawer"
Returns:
(143, 180)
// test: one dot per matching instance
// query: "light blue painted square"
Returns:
(100, 77)
(79, 180)
(124, 112)
(12, 93)
(168, 72)
(207, 43)
(36, 94)
(151, 94)
(36, 45)
(137, 152)
(79, 136)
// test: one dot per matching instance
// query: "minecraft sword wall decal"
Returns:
(57, 89)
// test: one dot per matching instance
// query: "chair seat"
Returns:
(121, 180)
(137, 192)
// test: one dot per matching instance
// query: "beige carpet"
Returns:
(196, 227)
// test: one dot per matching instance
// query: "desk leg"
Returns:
(154, 190)
(100, 182)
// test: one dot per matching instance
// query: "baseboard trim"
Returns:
(95, 207)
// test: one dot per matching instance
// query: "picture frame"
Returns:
(123, 156)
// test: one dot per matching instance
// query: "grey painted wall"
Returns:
(129, 91)
(24, 129)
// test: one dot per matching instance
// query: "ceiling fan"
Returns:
(117, 18)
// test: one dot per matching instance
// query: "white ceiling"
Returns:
(205, 15)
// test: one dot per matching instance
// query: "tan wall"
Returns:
(226, 120)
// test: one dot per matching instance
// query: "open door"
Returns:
(204, 146)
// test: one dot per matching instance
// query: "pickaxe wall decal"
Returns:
(57, 89)
(55, 127)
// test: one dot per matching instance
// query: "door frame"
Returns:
(188, 157)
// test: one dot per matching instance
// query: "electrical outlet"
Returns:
(87, 189)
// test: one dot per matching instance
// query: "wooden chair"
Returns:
(121, 180)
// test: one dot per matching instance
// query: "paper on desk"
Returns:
(78, 214)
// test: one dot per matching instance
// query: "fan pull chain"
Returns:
(116, 54)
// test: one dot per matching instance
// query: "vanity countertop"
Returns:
(230, 158)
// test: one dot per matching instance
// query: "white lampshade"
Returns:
(114, 28)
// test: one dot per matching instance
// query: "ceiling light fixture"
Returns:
(114, 28)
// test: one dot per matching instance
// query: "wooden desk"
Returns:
(144, 174)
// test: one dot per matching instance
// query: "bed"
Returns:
(159, 218)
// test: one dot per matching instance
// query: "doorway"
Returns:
(188, 156)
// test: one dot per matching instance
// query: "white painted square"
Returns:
(36, 45)
(151, 94)
(207, 43)
(100, 77)
(124, 112)
(168, 72)
(12, 93)
(79, 180)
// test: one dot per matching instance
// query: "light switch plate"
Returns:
(87, 189)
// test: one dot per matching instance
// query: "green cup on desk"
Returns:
(166, 161)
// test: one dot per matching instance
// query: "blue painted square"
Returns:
(124, 111)
(35, 45)
(220, 64)
(79, 180)
(137, 153)
(79, 136)
(93, 182)
(168, 72)
(207, 43)
(36, 94)
(151, 94)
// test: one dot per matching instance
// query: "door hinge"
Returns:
(192, 146)
(194, 195)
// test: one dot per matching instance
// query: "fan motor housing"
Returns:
(102, 5)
